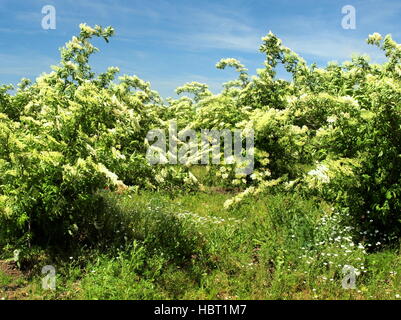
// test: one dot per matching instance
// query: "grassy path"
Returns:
(190, 247)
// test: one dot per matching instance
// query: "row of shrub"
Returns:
(334, 132)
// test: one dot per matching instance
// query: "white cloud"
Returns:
(331, 46)
(223, 40)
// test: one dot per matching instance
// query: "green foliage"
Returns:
(279, 247)
(67, 136)
(332, 132)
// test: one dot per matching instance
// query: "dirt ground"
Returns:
(11, 281)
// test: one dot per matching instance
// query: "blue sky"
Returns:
(171, 42)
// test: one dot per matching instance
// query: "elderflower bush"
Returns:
(219, 112)
(70, 134)
(341, 124)
(228, 176)
(333, 132)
